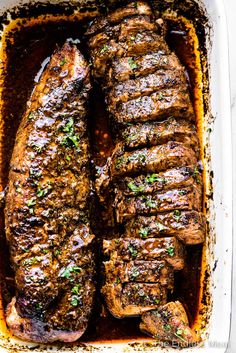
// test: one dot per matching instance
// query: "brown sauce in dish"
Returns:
(26, 46)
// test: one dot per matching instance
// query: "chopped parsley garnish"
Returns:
(57, 252)
(76, 289)
(31, 261)
(160, 97)
(132, 137)
(135, 273)
(133, 65)
(177, 215)
(143, 232)
(63, 62)
(167, 327)
(140, 156)
(74, 140)
(151, 204)
(121, 160)
(160, 226)
(31, 202)
(157, 301)
(118, 280)
(71, 139)
(37, 148)
(35, 173)
(196, 175)
(31, 116)
(43, 192)
(133, 187)
(104, 49)
(74, 301)
(171, 251)
(76, 297)
(182, 192)
(132, 250)
(178, 334)
(69, 127)
(38, 306)
(40, 193)
(68, 158)
(66, 273)
(151, 178)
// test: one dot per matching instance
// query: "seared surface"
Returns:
(139, 271)
(169, 323)
(132, 299)
(153, 159)
(152, 178)
(106, 48)
(158, 133)
(187, 226)
(131, 9)
(175, 199)
(168, 249)
(121, 70)
(150, 183)
(166, 102)
(142, 86)
(48, 207)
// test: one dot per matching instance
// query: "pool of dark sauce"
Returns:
(27, 48)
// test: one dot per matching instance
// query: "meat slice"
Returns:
(168, 249)
(150, 183)
(145, 85)
(169, 323)
(151, 160)
(108, 48)
(131, 9)
(47, 207)
(153, 178)
(134, 25)
(146, 184)
(132, 299)
(158, 133)
(166, 102)
(127, 27)
(144, 43)
(189, 198)
(187, 226)
(121, 70)
(140, 271)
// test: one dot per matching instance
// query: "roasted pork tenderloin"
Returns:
(47, 212)
(153, 175)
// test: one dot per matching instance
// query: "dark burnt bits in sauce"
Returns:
(26, 49)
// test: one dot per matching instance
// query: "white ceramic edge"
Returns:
(221, 158)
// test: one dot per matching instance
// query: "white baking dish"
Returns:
(219, 241)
